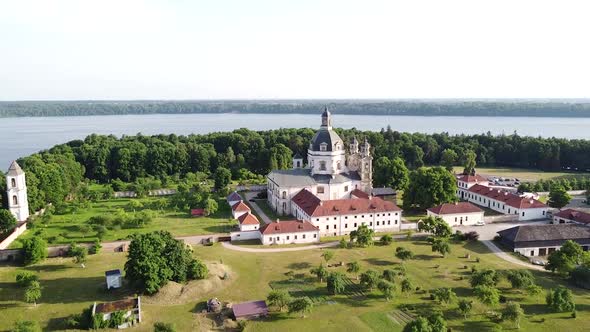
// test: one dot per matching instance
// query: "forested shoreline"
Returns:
(55, 173)
(515, 108)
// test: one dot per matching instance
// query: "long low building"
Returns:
(289, 232)
(341, 216)
(525, 208)
(543, 239)
(457, 214)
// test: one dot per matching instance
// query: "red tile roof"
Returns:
(248, 219)
(454, 208)
(234, 197)
(240, 207)
(252, 308)
(359, 193)
(288, 226)
(577, 216)
(471, 178)
(506, 197)
(314, 207)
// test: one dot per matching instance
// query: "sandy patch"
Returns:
(176, 293)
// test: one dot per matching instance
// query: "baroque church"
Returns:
(330, 173)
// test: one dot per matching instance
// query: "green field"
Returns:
(523, 174)
(68, 289)
(66, 228)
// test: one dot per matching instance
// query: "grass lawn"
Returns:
(66, 228)
(68, 289)
(523, 174)
(267, 209)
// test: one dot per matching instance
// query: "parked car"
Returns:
(538, 262)
(480, 223)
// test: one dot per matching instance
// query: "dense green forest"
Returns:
(55, 173)
(530, 108)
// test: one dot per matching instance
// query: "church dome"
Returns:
(326, 139)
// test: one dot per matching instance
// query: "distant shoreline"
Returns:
(558, 108)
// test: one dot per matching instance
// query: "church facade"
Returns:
(331, 172)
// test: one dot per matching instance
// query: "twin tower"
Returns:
(16, 186)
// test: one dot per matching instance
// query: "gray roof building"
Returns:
(545, 235)
(301, 177)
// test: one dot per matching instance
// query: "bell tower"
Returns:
(18, 203)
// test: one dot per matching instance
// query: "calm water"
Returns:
(23, 136)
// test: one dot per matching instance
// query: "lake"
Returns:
(23, 136)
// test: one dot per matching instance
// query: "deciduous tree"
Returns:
(513, 312)
(279, 299)
(561, 299)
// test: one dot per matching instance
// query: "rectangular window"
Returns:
(334, 226)
(377, 223)
(320, 190)
(371, 223)
(523, 214)
(287, 237)
(327, 226)
(315, 236)
(345, 225)
(304, 236)
(389, 222)
(295, 237)
(345, 187)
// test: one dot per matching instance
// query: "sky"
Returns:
(275, 49)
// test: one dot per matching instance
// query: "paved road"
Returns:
(488, 232)
(192, 240)
(507, 257)
(250, 195)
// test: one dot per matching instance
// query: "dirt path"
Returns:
(251, 194)
(192, 240)
(262, 250)
(507, 257)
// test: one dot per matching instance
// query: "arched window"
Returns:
(338, 166)
(13, 182)
(14, 200)
(323, 146)
(284, 194)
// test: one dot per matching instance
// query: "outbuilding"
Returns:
(457, 214)
(543, 239)
(113, 278)
(250, 310)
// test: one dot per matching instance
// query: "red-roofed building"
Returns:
(239, 209)
(505, 202)
(197, 212)
(466, 181)
(249, 310)
(248, 222)
(289, 231)
(357, 193)
(341, 216)
(571, 216)
(456, 214)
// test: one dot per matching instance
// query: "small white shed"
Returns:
(113, 278)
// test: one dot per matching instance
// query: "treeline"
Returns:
(106, 158)
(573, 183)
(533, 108)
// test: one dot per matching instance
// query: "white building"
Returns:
(113, 278)
(525, 208)
(457, 214)
(329, 173)
(288, 232)
(248, 222)
(341, 216)
(16, 185)
(466, 181)
(239, 209)
(571, 216)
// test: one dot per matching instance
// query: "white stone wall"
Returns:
(246, 235)
(459, 219)
(290, 238)
(246, 228)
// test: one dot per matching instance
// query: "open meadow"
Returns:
(523, 174)
(72, 225)
(68, 289)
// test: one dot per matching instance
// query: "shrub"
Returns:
(386, 239)
(164, 327)
(35, 250)
(24, 278)
(95, 248)
(26, 326)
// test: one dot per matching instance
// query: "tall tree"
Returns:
(35, 250)
(302, 305)
(279, 299)
(558, 197)
(33, 292)
(336, 283)
(513, 312)
(448, 159)
(561, 299)
(7, 221)
(222, 178)
(470, 157)
(429, 187)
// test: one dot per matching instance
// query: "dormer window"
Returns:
(323, 146)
